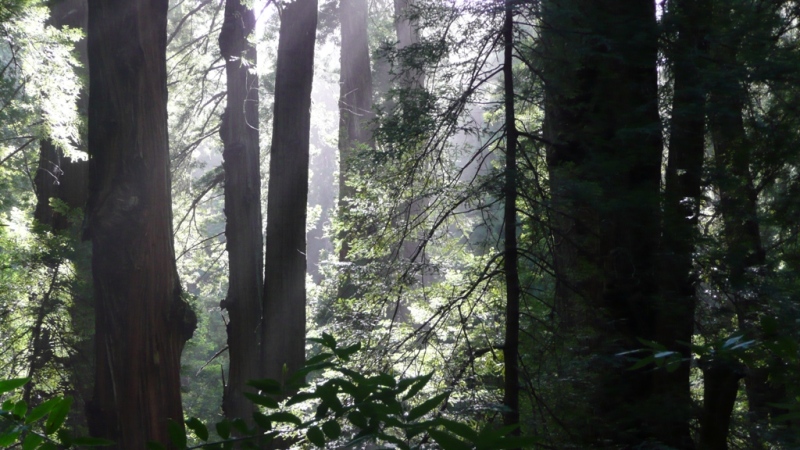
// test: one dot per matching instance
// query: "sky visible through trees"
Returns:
(456, 224)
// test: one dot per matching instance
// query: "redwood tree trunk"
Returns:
(682, 197)
(142, 322)
(355, 100)
(239, 133)
(283, 344)
(604, 157)
(355, 115)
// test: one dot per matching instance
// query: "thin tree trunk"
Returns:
(142, 322)
(239, 133)
(283, 342)
(41, 350)
(510, 261)
(682, 196)
(745, 256)
(720, 386)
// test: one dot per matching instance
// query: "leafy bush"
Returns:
(349, 408)
(39, 428)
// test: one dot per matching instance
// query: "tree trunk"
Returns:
(67, 179)
(682, 196)
(745, 256)
(283, 342)
(355, 111)
(604, 157)
(141, 321)
(510, 261)
(239, 133)
(720, 386)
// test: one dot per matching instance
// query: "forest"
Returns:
(400, 224)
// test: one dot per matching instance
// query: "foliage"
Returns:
(41, 427)
(346, 408)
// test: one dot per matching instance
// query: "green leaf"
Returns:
(262, 421)
(355, 376)
(326, 341)
(285, 417)
(332, 429)
(32, 440)
(322, 411)
(345, 353)
(224, 429)
(418, 384)
(266, 385)
(330, 341)
(490, 436)
(199, 429)
(92, 442)
(240, 426)
(155, 446)
(383, 379)
(177, 435)
(322, 357)
(460, 429)
(48, 446)
(301, 397)
(41, 410)
(447, 441)
(426, 407)
(641, 363)
(315, 436)
(20, 408)
(358, 419)
(6, 439)
(262, 400)
(64, 437)
(57, 415)
(10, 385)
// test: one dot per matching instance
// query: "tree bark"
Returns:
(141, 321)
(720, 386)
(682, 197)
(283, 342)
(745, 257)
(604, 156)
(239, 133)
(510, 261)
(355, 112)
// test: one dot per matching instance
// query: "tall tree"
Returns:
(142, 321)
(239, 133)
(604, 157)
(284, 324)
(745, 255)
(355, 109)
(511, 258)
(690, 22)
